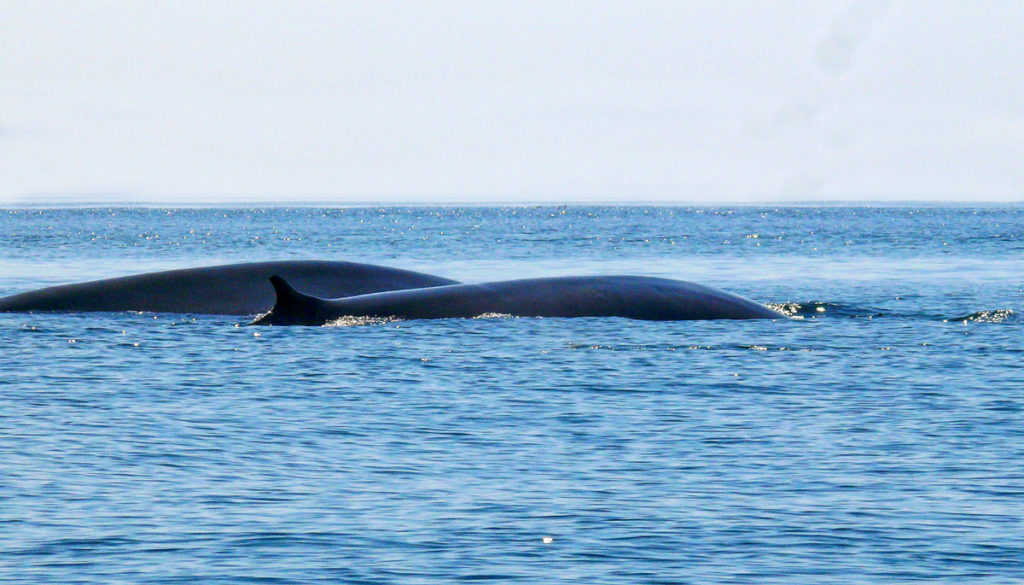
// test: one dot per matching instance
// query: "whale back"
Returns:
(633, 297)
(232, 289)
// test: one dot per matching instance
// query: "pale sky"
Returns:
(511, 101)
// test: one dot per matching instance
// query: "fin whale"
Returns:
(633, 297)
(231, 289)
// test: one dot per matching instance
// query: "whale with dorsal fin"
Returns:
(231, 289)
(632, 297)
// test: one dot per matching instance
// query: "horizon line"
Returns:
(315, 203)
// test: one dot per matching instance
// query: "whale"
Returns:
(230, 289)
(631, 297)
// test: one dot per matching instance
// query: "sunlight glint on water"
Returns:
(877, 439)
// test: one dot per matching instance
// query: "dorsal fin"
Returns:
(291, 306)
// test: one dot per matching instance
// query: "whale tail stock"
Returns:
(291, 306)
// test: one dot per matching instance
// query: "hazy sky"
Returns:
(511, 101)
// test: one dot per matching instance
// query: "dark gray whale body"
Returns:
(633, 297)
(233, 289)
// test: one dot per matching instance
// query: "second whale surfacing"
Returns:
(231, 289)
(632, 297)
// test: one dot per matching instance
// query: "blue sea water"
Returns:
(876, 437)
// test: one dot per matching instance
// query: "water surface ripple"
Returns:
(876, 440)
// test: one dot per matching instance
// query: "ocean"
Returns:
(877, 436)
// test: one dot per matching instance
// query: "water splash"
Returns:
(988, 316)
(815, 309)
(352, 321)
